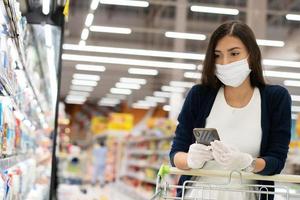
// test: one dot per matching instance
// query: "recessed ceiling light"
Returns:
(140, 71)
(215, 10)
(107, 29)
(84, 82)
(96, 68)
(89, 77)
(133, 3)
(187, 36)
(133, 86)
(133, 80)
(120, 91)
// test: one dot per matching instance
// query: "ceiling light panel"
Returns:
(295, 97)
(172, 89)
(293, 17)
(79, 93)
(133, 86)
(108, 29)
(133, 80)
(116, 96)
(132, 3)
(281, 63)
(125, 61)
(271, 43)
(120, 91)
(155, 99)
(187, 36)
(137, 52)
(82, 88)
(85, 34)
(215, 10)
(84, 82)
(89, 19)
(94, 4)
(278, 74)
(96, 68)
(192, 75)
(140, 71)
(89, 77)
(292, 83)
(162, 94)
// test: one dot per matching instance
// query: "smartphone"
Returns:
(206, 135)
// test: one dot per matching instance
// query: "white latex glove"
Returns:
(229, 157)
(197, 156)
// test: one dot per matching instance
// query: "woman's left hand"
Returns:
(229, 157)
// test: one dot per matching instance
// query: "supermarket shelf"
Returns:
(143, 164)
(6, 163)
(147, 152)
(150, 138)
(141, 178)
(15, 33)
(134, 193)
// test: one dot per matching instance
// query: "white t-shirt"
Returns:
(239, 128)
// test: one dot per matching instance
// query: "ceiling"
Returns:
(148, 27)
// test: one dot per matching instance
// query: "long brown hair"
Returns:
(245, 34)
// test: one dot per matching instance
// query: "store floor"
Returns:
(88, 192)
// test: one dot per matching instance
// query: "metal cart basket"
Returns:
(206, 189)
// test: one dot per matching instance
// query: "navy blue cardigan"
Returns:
(275, 123)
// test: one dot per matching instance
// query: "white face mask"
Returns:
(233, 74)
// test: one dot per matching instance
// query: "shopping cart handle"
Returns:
(240, 174)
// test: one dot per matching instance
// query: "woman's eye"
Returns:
(217, 56)
(235, 53)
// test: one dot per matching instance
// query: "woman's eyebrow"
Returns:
(233, 48)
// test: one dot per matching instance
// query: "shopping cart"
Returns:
(164, 189)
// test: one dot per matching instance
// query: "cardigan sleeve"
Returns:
(280, 132)
(184, 130)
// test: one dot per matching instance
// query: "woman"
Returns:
(252, 118)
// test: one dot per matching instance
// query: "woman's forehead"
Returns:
(228, 43)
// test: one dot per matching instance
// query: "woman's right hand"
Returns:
(197, 156)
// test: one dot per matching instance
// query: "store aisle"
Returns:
(88, 192)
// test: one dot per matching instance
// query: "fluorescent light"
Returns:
(162, 94)
(128, 86)
(140, 106)
(74, 102)
(96, 68)
(138, 52)
(108, 29)
(84, 82)
(46, 7)
(79, 93)
(295, 108)
(116, 96)
(75, 98)
(82, 43)
(172, 89)
(200, 67)
(147, 103)
(133, 80)
(126, 3)
(292, 83)
(120, 91)
(125, 61)
(294, 116)
(278, 74)
(293, 17)
(106, 104)
(94, 4)
(89, 19)
(215, 10)
(182, 84)
(272, 43)
(295, 97)
(88, 77)
(139, 71)
(109, 101)
(193, 75)
(82, 88)
(187, 36)
(281, 63)
(85, 34)
(167, 108)
(155, 99)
